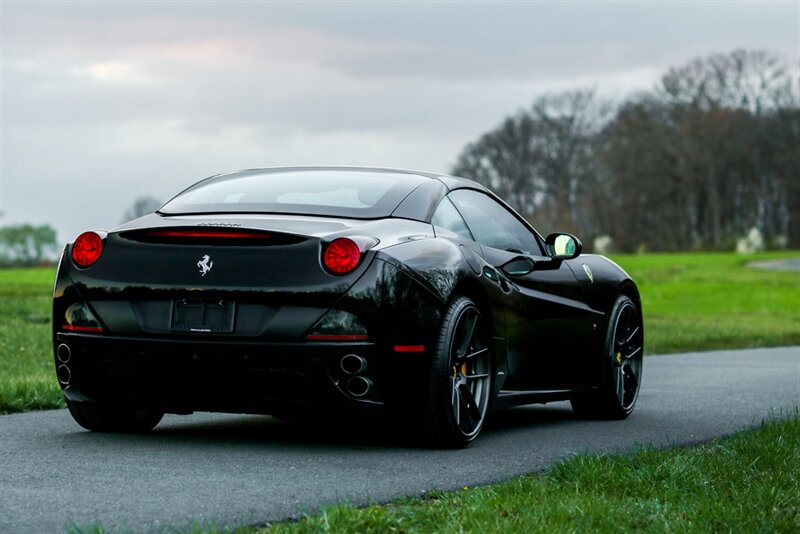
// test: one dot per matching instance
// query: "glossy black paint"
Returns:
(547, 323)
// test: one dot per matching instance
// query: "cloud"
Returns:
(104, 102)
(111, 71)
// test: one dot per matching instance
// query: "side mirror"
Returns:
(563, 246)
(519, 266)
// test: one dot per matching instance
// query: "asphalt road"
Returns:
(249, 469)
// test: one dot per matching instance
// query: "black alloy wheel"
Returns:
(459, 377)
(622, 366)
(102, 418)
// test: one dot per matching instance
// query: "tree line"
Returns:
(711, 153)
(27, 245)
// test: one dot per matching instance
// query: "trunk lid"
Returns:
(267, 280)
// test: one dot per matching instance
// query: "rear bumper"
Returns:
(184, 375)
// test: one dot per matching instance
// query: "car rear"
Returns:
(226, 311)
(176, 316)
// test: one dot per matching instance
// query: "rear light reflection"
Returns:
(78, 317)
(338, 325)
(87, 329)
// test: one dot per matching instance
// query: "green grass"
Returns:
(712, 301)
(746, 483)
(691, 302)
(27, 376)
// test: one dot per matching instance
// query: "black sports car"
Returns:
(281, 290)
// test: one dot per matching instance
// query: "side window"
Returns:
(492, 224)
(446, 216)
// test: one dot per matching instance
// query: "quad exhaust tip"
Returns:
(358, 386)
(63, 353)
(352, 364)
(64, 374)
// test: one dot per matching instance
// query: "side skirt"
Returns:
(508, 398)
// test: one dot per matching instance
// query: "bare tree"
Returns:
(503, 160)
(540, 160)
(725, 107)
(711, 152)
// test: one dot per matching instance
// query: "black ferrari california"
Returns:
(296, 290)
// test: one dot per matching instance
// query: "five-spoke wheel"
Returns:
(628, 344)
(622, 366)
(459, 377)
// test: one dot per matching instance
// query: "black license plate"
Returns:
(203, 316)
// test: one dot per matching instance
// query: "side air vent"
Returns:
(210, 236)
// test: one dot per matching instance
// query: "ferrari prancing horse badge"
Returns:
(205, 264)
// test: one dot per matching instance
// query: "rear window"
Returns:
(342, 193)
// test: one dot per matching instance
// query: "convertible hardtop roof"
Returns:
(449, 181)
(350, 192)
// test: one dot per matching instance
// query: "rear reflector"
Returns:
(409, 348)
(335, 337)
(76, 328)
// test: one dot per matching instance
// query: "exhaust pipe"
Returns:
(63, 353)
(353, 364)
(358, 386)
(64, 374)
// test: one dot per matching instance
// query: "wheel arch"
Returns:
(471, 288)
(491, 307)
(629, 289)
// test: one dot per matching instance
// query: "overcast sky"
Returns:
(106, 102)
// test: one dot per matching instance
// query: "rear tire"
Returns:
(458, 379)
(103, 418)
(621, 366)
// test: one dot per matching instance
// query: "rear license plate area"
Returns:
(202, 316)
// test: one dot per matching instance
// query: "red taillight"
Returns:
(341, 256)
(87, 249)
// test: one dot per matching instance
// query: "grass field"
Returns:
(712, 301)
(747, 483)
(27, 375)
(691, 302)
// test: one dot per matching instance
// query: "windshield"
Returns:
(357, 193)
